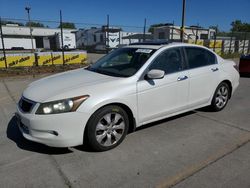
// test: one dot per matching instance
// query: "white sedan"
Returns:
(127, 88)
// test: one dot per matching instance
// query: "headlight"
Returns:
(61, 106)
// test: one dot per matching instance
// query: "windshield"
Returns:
(123, 62)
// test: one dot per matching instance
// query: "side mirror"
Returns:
(155, 74)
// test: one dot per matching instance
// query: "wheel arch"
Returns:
(228, 82)
(132, 120)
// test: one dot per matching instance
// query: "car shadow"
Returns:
(205, 109)
(86, 148)
(164, 121)
(245, 75)
(14, 134)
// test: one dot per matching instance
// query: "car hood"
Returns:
(48, 87)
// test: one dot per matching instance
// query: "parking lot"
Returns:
(196, 149)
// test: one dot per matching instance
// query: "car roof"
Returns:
(156, 46)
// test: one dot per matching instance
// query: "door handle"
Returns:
(182, 78)
(214, 69)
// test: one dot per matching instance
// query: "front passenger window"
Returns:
(169, 61)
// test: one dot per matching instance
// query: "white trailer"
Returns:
(69, 40)
(112, 39)
(18, 43)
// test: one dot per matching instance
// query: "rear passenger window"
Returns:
(198, 57)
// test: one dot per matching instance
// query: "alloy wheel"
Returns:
(110, 129)
(221, 97)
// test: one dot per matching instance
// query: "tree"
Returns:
(11, 22)
(215, 27)
(219, 32)
(67, 25)
(34, 24)
(238, 26)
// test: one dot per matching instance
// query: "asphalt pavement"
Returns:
(196, 149)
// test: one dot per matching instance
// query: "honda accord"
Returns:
(130, 87)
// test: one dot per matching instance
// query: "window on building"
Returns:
(162, 35)
(204, 36)
(101, 38)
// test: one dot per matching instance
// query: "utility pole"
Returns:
(196, 35)
(62, 37)
(144, 30)
(107, 30)
(31, 37)
(215, 37)
(172, 31)
(183, 20)
(4, 54)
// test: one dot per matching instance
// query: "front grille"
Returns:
(26, 105)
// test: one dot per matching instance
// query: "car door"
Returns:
(160, 97)
(203, 74)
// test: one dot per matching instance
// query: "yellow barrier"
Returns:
(198, 42)
(217, 44)
(218, 51)
(55, 58)
(43, 58)
(17, 60)
(2, 62)
(73, 58)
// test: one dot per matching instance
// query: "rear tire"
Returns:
(221, 97)
(107, 128)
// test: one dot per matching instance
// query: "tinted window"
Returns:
(123, 62)
(198, 57)
(169, 61)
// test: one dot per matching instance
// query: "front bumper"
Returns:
(56, 130)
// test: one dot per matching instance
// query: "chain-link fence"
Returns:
(227, 43)
(47, 42)
(220, 42)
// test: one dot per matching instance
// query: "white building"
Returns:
(19, 37)
(171, 32)
(100, 38)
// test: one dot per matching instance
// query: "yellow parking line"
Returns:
(190, 170)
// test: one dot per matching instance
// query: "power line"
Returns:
(76, 23)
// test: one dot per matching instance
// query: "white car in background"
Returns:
(127, 88)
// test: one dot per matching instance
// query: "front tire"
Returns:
(107, 128)
(221, 97)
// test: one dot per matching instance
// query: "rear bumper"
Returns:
(57, 130)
